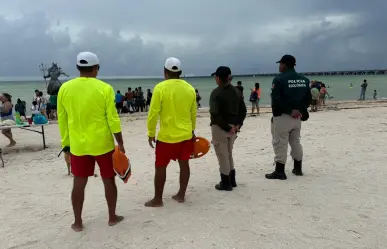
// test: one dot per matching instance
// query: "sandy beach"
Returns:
(340, 202)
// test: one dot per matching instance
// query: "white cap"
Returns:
(88, 59)
(173, 64)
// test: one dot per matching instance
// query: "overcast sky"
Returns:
(133, 38)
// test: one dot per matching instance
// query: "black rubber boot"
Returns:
(279, 172)
(224, 184)
(232, 178)
(297, 170)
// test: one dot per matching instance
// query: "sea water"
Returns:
(338, 86)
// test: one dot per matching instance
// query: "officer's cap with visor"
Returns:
(288, 60)
(223, 72)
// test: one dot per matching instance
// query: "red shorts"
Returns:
(83, 166)
(165, 152)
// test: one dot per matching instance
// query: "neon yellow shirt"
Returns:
(87, 116)
(174, 101)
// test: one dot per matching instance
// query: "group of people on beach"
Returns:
(44, 105)
(254, 98)
(363, 91)
(133, 100)
(319, 93)
(88, 131)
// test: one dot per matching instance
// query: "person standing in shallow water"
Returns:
(363, 90)
(174, 102)
(290, 99)
(87, 133)
(228, 111)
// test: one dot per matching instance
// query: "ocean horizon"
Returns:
(339, 86)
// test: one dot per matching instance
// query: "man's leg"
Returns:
(219, 140)
(280, 132)
(184, 179)
(111, 199)
(163, 153)
(296, 148)
(258, 106)
(230, 147)
(362, 95)
(159, 182)
(77, 199)
(185, 151)
(105, 163)
(82, 167)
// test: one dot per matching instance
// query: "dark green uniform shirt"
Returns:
(290, 91)
(227, 107)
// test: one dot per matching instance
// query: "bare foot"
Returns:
(77, 227)
(178, 198)
(154, 203)
(116, 220)
(11, 144)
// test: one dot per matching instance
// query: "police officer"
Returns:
(290, 99)
(228, 111)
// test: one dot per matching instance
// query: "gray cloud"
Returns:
(134, 38)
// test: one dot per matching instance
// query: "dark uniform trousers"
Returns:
(284, 130)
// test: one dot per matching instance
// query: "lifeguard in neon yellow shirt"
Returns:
(87, 119)
(174, 102)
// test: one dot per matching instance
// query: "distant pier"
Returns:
(327, 73)
(331, 73)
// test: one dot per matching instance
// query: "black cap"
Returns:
(222, 72)
(288, 59)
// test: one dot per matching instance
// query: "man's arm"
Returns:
(216, 115)
(62, 120)
(113, 119)
(193, 112)
(154, 111)
(277, 101)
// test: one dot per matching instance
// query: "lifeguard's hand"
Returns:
(151, 140)
(66, 149)
(122, 148)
